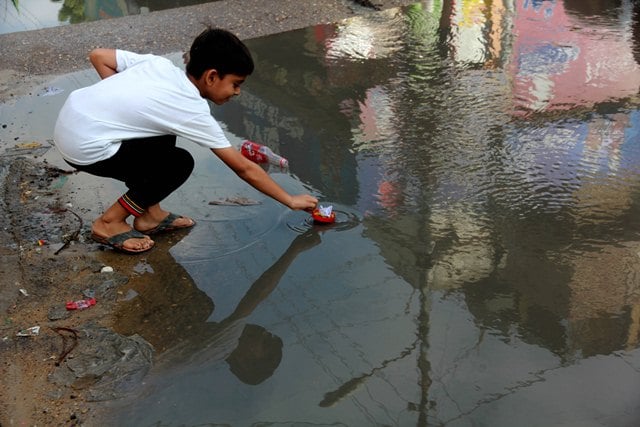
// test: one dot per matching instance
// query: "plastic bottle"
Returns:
(262, 154)
(81, 304)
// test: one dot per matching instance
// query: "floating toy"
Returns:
(324, 215)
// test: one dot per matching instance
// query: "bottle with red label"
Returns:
(262, 154)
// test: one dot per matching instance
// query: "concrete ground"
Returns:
(29, 58)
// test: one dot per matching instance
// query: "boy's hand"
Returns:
(258, 178)
(304, 202)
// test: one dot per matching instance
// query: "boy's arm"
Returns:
(255, 176)
(104, 61)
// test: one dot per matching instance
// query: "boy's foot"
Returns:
(170, 223)
(131, 242)
(118, 234)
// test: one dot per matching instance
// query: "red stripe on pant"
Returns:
(130, 206)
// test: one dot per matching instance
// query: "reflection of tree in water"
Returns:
(72, 11)
(77, 11)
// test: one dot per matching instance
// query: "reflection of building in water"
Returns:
(477, 31)
(589, 171)
(607, 280)
(366, 37)
(560, 62)
(458, 196)
(388, 189)
(458, 243)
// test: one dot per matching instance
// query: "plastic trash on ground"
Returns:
(29, 332)
(81, 304)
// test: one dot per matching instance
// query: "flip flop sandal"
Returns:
(167, 225)
(117, 242)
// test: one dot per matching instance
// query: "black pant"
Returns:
(151, 168)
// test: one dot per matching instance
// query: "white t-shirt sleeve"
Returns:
(126, 59)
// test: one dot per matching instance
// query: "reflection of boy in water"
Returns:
(257, 355)
(125, 126)
(253, 353)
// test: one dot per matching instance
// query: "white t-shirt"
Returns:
(149, 96)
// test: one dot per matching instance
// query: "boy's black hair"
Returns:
(221, 50)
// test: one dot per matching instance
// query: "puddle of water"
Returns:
(483, 160)
(16, 16)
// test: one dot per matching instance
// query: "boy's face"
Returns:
(220, 90)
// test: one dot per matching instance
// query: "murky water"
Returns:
(483, 159)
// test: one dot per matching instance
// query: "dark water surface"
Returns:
(483, 159)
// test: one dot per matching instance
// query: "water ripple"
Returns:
(345, 219)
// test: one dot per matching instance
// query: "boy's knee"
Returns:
(185, 160)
